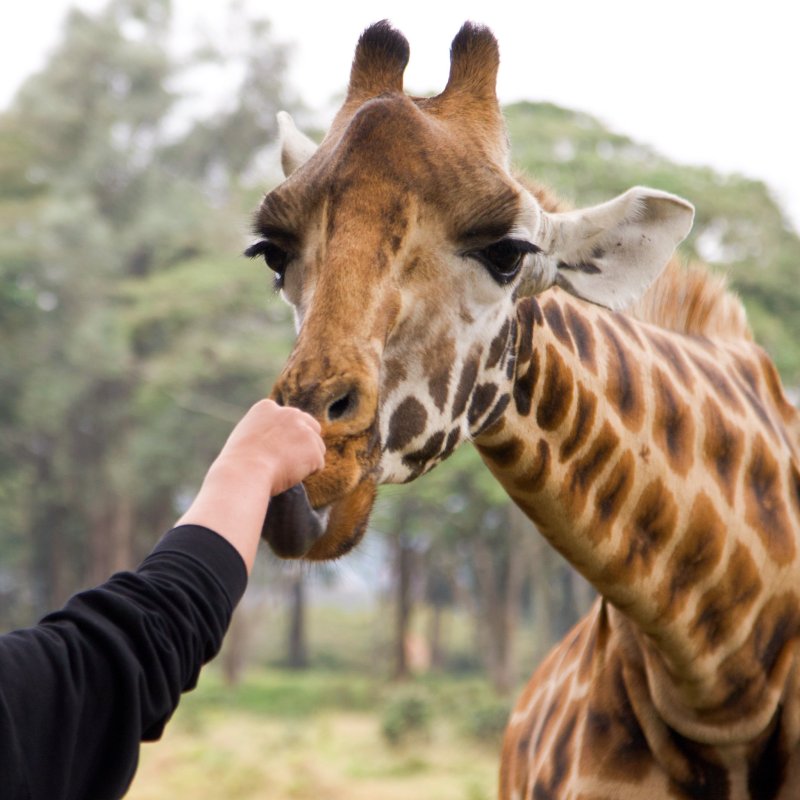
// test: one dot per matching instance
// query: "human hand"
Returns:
(271, 449)
(281, 446)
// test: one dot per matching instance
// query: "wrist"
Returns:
(233, 501)
(239, 477)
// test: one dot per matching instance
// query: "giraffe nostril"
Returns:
(342, 406)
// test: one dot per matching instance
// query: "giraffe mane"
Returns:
(687, 299)
(694, 300)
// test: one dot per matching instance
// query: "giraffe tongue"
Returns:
(292, 526)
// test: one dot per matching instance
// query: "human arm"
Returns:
(80, 690)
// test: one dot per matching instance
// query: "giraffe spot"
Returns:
(748, 372)
(721, 385)
(495, 429)
(498, 346)
(673, 427)
(672, 357)
(407, 422)
(723, 447)
(438, 387)
(615, 745)
(482, 398)
(560, 762)
(626, 326)
(585, 470)
(555, 706)
(535, 476)
(765, 509)
(651, 525)
(705, 777)
(758, 407)
(744, 686)
(557, 388)
(516, 755)
(555, 320)
(524, 386)
(466, 382)
(767, 772)
(453, 439)
(466, 315)
(623, 384)
(421, 459)
(394, 373)
(585, 409)
(525, 323)
(496, 413)
(438, 360)
(506, 454)
(723, 605)
(610, 497)
(695, 556)
(582, 336)
(775, 630)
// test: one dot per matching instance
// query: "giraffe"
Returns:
(617, 397)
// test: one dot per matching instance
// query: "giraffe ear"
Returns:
(609, 254)
(296, 147)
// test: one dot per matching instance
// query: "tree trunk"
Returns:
(544, 607)
(234, 651)
(404, 565)
(121, 534)
(500, 573)
(435, 637)
(297, 656)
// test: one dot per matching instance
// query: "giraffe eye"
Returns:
(275, 257)
(503, 259)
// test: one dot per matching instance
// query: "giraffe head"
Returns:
(403, 243)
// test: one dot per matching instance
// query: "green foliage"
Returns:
(130, 343)
(486, 721)
(216, 750)
(287, 694)
(407, 716)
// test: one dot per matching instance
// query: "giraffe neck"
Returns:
(665, 468)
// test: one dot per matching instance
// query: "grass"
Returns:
(297, 736)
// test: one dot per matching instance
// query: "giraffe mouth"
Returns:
(292, 526)
(294, 529)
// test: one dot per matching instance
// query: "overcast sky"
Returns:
(704, 81)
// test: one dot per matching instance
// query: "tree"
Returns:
(107, 238)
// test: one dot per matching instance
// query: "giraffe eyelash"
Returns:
(276, 258)
(503, 258)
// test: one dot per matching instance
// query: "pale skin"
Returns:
(271, 449)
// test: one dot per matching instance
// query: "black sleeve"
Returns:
(80, 690)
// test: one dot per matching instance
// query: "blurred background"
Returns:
(136, 139)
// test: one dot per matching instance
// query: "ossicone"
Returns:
(474, 61)
(380, 60)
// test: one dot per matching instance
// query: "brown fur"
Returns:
(693, 300)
